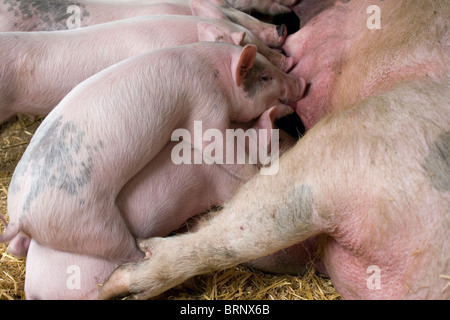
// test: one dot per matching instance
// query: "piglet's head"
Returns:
(222, 31)
(260, 85)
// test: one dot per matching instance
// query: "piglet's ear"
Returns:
(237, 37)
(245, 63)
(267, 119)
(211, 32)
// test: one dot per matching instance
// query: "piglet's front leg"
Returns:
(246, 229)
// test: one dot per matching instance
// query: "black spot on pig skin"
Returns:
(43, 14)
(437, 163)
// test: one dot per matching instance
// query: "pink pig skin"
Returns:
(42, 67)
(155, 202)
(192, 189)
(89, 171)
(52, 274)
(343, 65)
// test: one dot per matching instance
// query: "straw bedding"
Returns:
(239, 283)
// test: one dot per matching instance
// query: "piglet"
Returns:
(75, 164)
(155, 202)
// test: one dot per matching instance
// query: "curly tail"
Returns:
(11, 230)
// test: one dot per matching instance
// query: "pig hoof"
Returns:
(116, 286)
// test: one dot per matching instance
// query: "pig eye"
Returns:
(266, 77)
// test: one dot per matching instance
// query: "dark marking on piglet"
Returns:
(58, 159)
(437, 163)
(43, 14)
(252, 80)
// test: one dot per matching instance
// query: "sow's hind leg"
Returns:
(355, 176)
(258, 221)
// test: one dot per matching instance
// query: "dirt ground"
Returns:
(238, 283)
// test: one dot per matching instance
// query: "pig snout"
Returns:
(294, 91)
(282, 31)
(289, 63)
(280, 35)
(272, 35)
